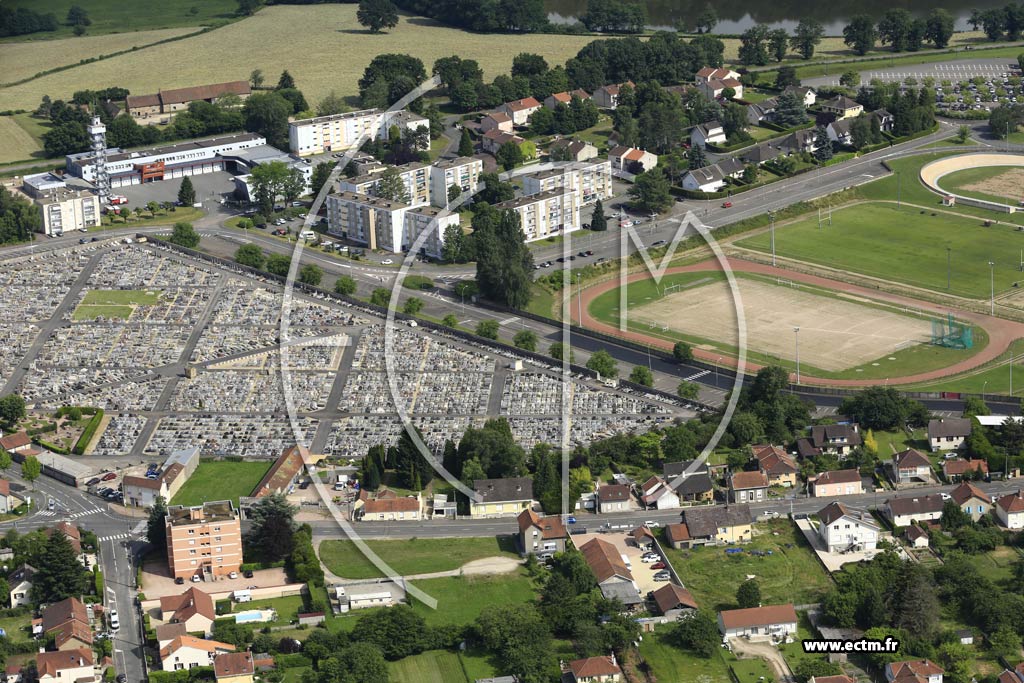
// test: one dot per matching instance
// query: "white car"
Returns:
(195, 578)
(115, 623)
(647, 559)
(387, 262)
(651, 525)
(946, 496)
(233, 575)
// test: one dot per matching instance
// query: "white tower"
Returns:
(98, 135)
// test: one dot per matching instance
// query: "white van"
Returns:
(625, 561)
(307, 235)
(243, 596)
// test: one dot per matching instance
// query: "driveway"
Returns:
(157, 582)
(744, 648)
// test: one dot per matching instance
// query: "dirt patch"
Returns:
(745, 649)
(834, 334)
(1007, 184)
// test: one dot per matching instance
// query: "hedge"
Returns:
(697, 194)
(97, 576)
(88, 433)
(199, 673)
(725, 149)
(52, 447)
(792, 129)
(52, 427)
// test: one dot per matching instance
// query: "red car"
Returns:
(108, 476)
(659, 565)
(726, 205)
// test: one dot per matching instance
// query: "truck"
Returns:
(118, 199)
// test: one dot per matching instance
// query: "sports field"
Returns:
(907, 245)
(991, 183)
(835, 333)
(113, 303)
(323, 46)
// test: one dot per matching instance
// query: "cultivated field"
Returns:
(322, 46)
(114, 16)
(835, 334)
(905, 245)
(28, 58)
(995, 184)
(17, 144)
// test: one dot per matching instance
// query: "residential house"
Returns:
(520, 110)
(748, 487)
(972, 500)
(906, 510)
(631, 159)
(712, 82)
(494, 139)
(406, 508)
(499, 121)
(775, 464)
(189, 652)
(72, 635)
(613, 498)
(613, 576)
(541, 535)
(692, 483)
(552, 101)
(607, 96)
(913, 671)
(840, 131)
(772, 620)
(956, 469)
(916, 536)
(799, 142)
(709, 73)
(66, 666)
(234, 667)
(712, 178)
(165, 633)
(674, 601)
(70, 532)
(948, 434)
(761, 154)
(836, 483)
(567, 149)
(910, 467)
(60, 613)
(12, 674)
(194, 608)
(594, 670)
(657, 495)
(840, 678)
(18, 442)
(20, 583)
(804, 93)
(642, 538)
(842, 530)
(885, 119)
(8, 501)
(710, 133)
(1010, 510)
(678, 536)
(837, 439)
(501, 497)
(842, 107)
(284, 474)
(762, 111)
(1014, 676)
(714, 525)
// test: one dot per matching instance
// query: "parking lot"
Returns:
(643, 572)
(209, 187)
(951, 71)
(156, 581)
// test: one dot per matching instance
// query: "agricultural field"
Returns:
(904, 245)
(18, 144)
(269, 41)
(414, 556)
(109, 16)
(221, 480)
(992, 183)
(791, 573)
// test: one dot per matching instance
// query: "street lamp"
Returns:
(579, 298)
(992, 280)
(949, 266)
(796, 339)
(771, 223)
(983, 387)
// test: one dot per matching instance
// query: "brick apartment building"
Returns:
(205, 539)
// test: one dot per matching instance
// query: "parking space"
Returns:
(208, 187)
(989, 69)
(643, 572)
(157, 582)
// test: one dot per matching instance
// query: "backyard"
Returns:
(413, 556)
(221, 480)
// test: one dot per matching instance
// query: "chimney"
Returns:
(613, 658)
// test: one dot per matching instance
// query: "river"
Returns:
(735, 16)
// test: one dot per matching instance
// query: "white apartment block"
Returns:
(463, 172)
(592, 179)
(554, 212)
(388, 225)
(341, 132)
(415, 176)
(67, 210)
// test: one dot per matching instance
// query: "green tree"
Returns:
(186, 193)
(59, 575)
(806, 669)
(860, 34)
(689, 390)
(267, 113)
(806, 37)
(450, 321)
(504, 264)
(77, 16)
(706, 20)
(345, 285)
(963, 133)
(311, 274)
(272, 525)
(753, 48)
(465, 144)
(696, 158)
(778, 43)
(321, 174)
(380, 297)
(651, 191)
(487, 329)
(246, 8)
(850, 79)
(269, 183)
(557, 351)
(641, 375)
(790, 110)
(748, 594)
(12, 409)
(377, 15)
(509, 155)
(1004, 643)
(397, 631)
(454, 192)
(156, 525)
(974, 406)
(184, 235)
(822, 145)
(285, 81)
(256, 79)
(250, 255)
(31, 469)
(786, 76)
(5, 460)
(939, 27)
(362, 663)
(278, 264)
(598, 221)
(894, 28)
(602, 363)
(526, 340)
(391, 186)
(331, 104)
(698, 634)
(412, 306)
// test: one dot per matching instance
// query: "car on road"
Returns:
(570, 519)
(51, 504)
(387, 262)
(109, 476)
(83, 241)
(83, 230)
(121, 678)
(296, 203)
(589, 252)
(583, 254)
(658, 243)
(247, 573)
(115, 622)
(726, 205)
(561, 259)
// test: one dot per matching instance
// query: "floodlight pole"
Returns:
(796, 337)
(992, 280)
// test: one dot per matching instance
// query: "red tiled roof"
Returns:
(15, 440)
(50, 663)
(676, 533)
(613, 492)
(499, 117)
(391, 505)
(191, 602)
(832, 679)
(911, 459)
(205, 92)
(5, 487)
(282, 472)
(604, 560)
(196, 643)
(913, 669)
(550, 527)
(525, 103)
(1013, 502)
(140, 482)
(233, 664)
(837, 477)
(966, 490)
(72, 628)
(956, 467)
(594, 666)
(758, 616)
(748, 480)
(59, 613)
(671, 596)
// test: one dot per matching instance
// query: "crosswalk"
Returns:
(115, 537)
(85, 513)
(76, 515)
(695, 377)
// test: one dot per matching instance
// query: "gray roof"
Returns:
(695, 483)
(498, 490)
(705, 521)
(821, 435)
(622, 591)
(953, 426)
(762, 153)
(918, 505)
(674, 469)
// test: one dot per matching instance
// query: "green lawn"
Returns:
(900, 441)
(669, 663)
(294, 675)
(752, 670)
(84, 312)
(120, 297)
(109, 16)
(791, 573)
(957, 180)
(413, 556)
(461, 599)
(759, 133)
(477, 663)
(18, 629)
(902, 245)
(434, 666)
(221, 480)
(997, 565)
(950, 142)
(287, 608)
(995, 378)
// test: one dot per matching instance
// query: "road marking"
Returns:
(508, 321)
(116, 537)
(700, 374)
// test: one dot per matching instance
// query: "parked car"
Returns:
(663, 575)
(659, 565)
(109, 476)
(178, 580)
(651, 524)
(247, 573)
(93, 481)
(196, 578)
(233, 575)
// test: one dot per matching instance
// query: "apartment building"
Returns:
(384, 224)
(463, 172)
(341, 132)
(206, 538)
(415, 176)
(554, 212)
(66, 210)
(592, 179)
(434, 222)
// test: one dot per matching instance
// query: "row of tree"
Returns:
(759, 43)
(898, 29)
(19, 220)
